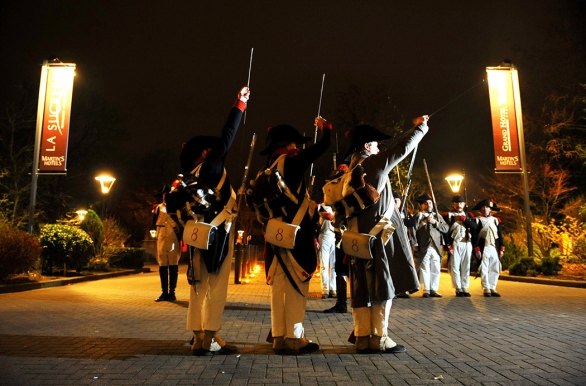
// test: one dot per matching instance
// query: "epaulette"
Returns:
(155, 206)
(471, 215)
(445, 214)
(498, 219)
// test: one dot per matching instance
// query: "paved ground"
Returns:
(111, 332)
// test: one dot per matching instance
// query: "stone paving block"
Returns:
(460, 339)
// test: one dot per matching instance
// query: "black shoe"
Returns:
(495, 294)
(434, 294)
(338, 308)
(307, 349)
(163, 298)
(394, 350)
(466, 294)
(425, 295)
(324, 296)
(171, 298)
(460, 294)
(402, 295)
(199, 352)
(487, 294)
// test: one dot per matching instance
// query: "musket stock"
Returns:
(430, 187)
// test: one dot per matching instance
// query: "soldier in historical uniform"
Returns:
(488, 245)
(168, 249)
(459, 244)
(427, 248)
(326, 251)
(373, 282)
(209, 286)
(289, 270)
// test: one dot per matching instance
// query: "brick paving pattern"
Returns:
(111, 332)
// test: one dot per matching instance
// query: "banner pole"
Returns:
(37, 151)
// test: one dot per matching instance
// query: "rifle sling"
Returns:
(287, 273)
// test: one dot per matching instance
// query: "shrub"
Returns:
(521, 267)
(94, 227)
(115, 235)
(531, 273)
(98, 264)
(513, 253)
(64, 245)
(19, 251)
(128, 258)
(550, 266)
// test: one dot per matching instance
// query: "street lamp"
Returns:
(455, 181)
(106, 183)
(81, 214)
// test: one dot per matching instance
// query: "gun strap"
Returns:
(287, 273)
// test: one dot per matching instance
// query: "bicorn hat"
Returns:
(424, 198)
(396, 195)
(192, 150)
(487, 202)
(458, 198)
(362, 134)
(280, 136)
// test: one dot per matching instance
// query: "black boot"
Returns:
(341, 288)
(164, 275)
(173, 275)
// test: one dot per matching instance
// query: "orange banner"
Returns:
(55, 134)
(504, 120)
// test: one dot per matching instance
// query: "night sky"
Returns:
(173, 68)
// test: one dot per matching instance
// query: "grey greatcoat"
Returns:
(428, 236)
(391, 269)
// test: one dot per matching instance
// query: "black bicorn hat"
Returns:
(192, 150)
(396, 195)
(282, 134)
(424, 198)
(487, 202)
(458, 198)
(166, 188)
(362, 134)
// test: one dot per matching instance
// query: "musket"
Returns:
(430, 187)
(245, 176)
(399, 177)
(402, 135)
(248, 83)
(321, 93)
(408, 185)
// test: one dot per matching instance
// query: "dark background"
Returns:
(171, 69)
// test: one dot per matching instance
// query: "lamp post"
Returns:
(239, 251)
(81, 214)
(455, 181)
(106, 183)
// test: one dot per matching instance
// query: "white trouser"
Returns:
(429, 272)
(459, 265)
(287, 305)
(373, 320)
(490, 268)
(207, 297)
(327, 257)
(168, 249)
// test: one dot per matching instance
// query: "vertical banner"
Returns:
(56, 114)
(504, 113)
